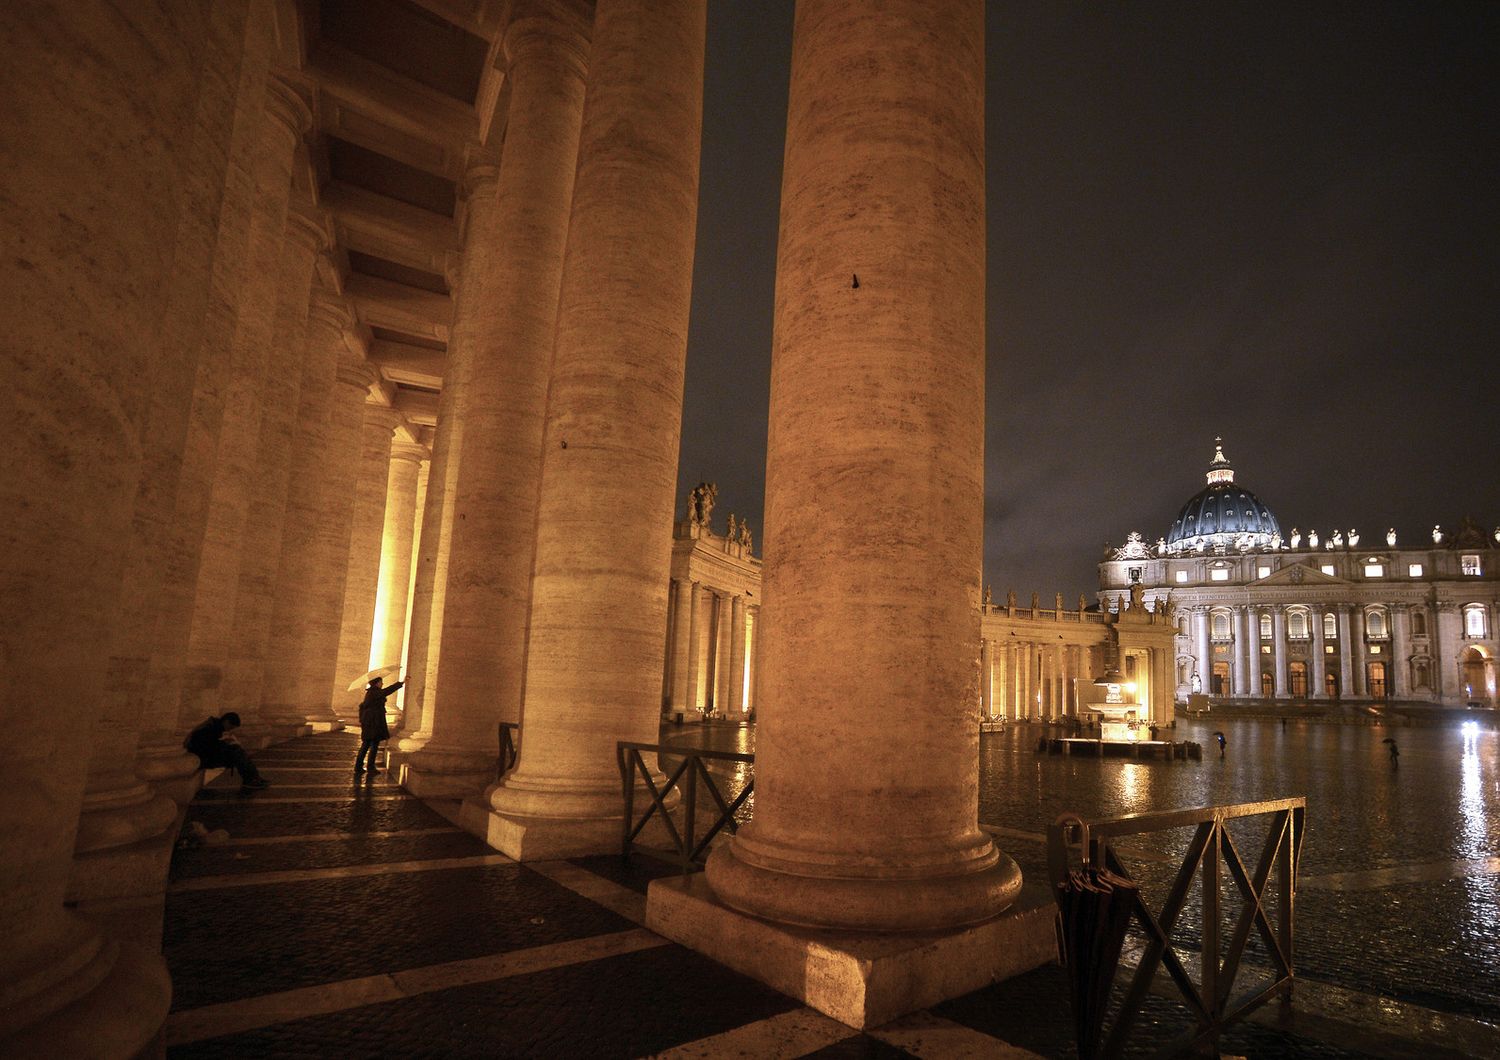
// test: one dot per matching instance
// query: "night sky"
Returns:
(1274, 222)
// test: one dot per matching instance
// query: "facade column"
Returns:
(1346, 653)
(682, 643)
(884, 173)
(986, 680)
(1203, 662)
(396, 540)
(288, 695)
(613, 425)
(722, 637)
(424, 473)
(514, 314)
(1399, 666)
(1318, 675)
(737, 657)
(1239, 651)
(100, 101)
(1255, 667)
(1060, 679)
(1357, 627)
(260, 548)
(1278, 627)
(697, 630)
(757, 629)
(362, 564)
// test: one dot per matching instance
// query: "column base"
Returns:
(433, 773)
(540, 838)
(124, 889)
(120, 1016)
(122, 817)
(861, 980)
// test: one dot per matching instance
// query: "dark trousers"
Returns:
(231, 756)
(370, 746)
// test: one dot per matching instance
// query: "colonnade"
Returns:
(712, 663)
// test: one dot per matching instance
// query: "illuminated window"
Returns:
(1219, 574)
(1220, 625)
(1374, 570)
(1181, 577)
(1330, 626)
(1265, 649)
(1296, 625)
(1262, 572)
(1376, 627)
(1470, 565)
(1374, 649)
(1265, 627)
(1328, 569)
(1328, 649)
(1475, 623)
(1419, 623)
(1414, 570)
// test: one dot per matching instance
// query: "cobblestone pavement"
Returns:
(341, 917)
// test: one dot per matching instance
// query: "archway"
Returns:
(1477, 676)
(1331, 685)
(1375, 678)
(1297, 672)
(1221, 679)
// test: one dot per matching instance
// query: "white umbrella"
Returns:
(360, 683)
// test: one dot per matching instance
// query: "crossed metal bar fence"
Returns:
(1211, 852)
(687, 778)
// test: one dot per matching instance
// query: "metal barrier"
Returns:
(1211, 851)
(510, 740)
(686, 779)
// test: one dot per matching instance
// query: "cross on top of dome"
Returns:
(1218, 468)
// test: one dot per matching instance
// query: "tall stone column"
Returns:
(424, 475)
(1060, 679)
(260, 552)
(235, 494)
(515, 276)
(986, 680)
(1253, 650)
(319, 475)
(100, 105)
(1319, 668)
(1346, 651)
(755, 642)
(697, 625)
(1357, 632)
(866, 786)
(1399, 666)
(1203, 650)
(722, 621)
(682, 641)
(1278, 620)
(613, 425)
(362, 567)
(737, 657)
(395, 553)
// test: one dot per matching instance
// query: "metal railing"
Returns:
(510, 743)
(689, 775)
(1211, 851)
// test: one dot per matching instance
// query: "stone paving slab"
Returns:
(272, 938)
(227, 860)
(249, 818)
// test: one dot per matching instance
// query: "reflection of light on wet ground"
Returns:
(1471, 801)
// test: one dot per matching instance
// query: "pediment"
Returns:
(1299, 574)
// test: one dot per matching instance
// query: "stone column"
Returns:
(424, 474)
(1204, 649)
(232, 509)
(1253, 623)
(613, 425)
(396, 540)
(722, 637)
(362, 564)
(756, 629)
(1319, 668)
(100, 104)
(1278, 619)
(260, 551)
(1399, 666)
(697, 630)
(876, 425)
(736, 701)
(1346, 653)
(986, 680)
(1060, 680)
(682, 640)
(1238, 653)
(513, 312)
(1357, 632)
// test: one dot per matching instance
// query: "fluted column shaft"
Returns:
(100, 103)
(395, 554)
(722, 624)
(1252, 623)
(362, 565)
(287, 366)
(1400, 664)
(1357, 632)
(514, 314)
(1204, 651)
(736, 701)
(866, 780)
(1319, 675)
(613, 422)
(1278, 628)
(682, 641)
(1346, 653)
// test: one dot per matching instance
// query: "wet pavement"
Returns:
(343, 917)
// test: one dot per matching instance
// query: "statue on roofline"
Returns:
(701, 504)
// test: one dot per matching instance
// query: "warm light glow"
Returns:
(1414, 570)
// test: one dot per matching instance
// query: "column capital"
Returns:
(383, 416)
(307, 226)
(409, 451)
(329, 309)
(357, 373)
(286, 106)
(481, 171)
(550, 29)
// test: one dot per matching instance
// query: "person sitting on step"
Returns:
(208, 742)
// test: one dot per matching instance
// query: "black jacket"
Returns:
(372, 712)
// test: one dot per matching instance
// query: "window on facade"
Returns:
(1221, 625)
(1470, 566)
(1375, 625)
(1328, 569)
(1262, 572)
(1419, 623)
(1413, 570)
(1219, 574)
(1296, 625)
(1420, 675)
(1330, 626)
(1374, 570)
(1181, 577)
(1265, 627)
(1474, 621)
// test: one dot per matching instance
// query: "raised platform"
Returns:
(860, 980)
(1151, 750)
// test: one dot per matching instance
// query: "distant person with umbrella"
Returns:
(1220, 737)
(1395, 752)
(372, 726)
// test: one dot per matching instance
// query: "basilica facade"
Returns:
(1266, 613)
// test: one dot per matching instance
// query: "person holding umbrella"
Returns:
(1395, 753)
(1220, 737)
(372, 726)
